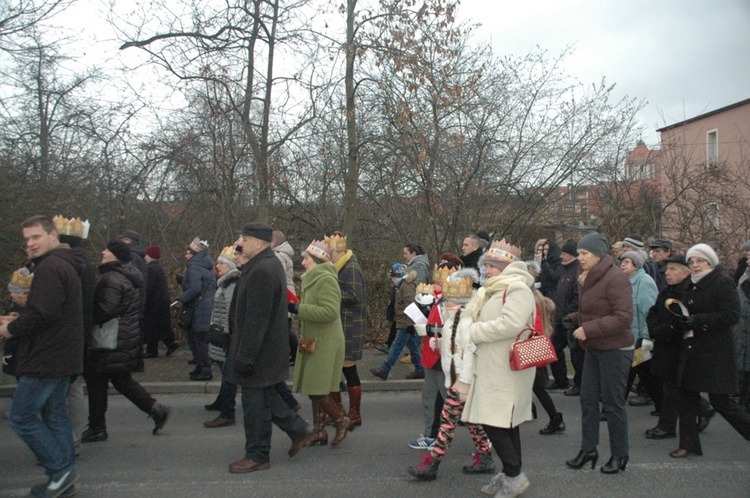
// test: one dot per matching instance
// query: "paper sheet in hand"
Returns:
(413, 312)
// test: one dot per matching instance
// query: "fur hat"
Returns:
(153, 252)
(120, 249)
(595, 243)
(703, 251)
(570, 247)
(637, 257)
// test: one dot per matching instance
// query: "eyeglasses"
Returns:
(697, 261)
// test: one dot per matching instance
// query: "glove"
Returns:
(178, 277)
(293, 308)
(638, 342)
(568, 324)
(421, 330)
(433, 344)
(648, 345)
(244, 369)
(683, 323)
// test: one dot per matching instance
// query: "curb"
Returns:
(213, 387)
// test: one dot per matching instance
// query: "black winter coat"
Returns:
(157, 321)
(258, 324)
(117, 295)
(666, 352)
(50, 328)
(707, 362)
(566, 294)
(471, 260)
(552, 270)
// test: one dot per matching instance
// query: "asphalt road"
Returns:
(188, 460)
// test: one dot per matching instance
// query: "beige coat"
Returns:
(504, 306)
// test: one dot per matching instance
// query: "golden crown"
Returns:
(425, 289)
(228, 252)
(73, 226)
(460, 285)
(319, 249)
(336, 242)
(22, 278)
(440, 274)
(501, 251)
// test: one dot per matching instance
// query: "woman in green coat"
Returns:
(320, 355)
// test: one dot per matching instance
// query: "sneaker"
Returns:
(57, 487)
(422, 443)
(496, 484)
(39, 490)
(514, 486)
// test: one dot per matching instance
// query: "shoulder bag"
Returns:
(104, 336)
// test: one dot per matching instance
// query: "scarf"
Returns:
(343, 260)
(698, 277)
(582, 277)
(492, 285)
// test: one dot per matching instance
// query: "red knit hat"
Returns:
(154, 252)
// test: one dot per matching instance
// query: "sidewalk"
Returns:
(171, 375)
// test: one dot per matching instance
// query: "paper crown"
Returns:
(440, 274)
(20, 281)
(459, 286)
(502, 252)
(73, 226)
(336, 242)
(319, 249)
(227, 252)
(425, 289)
(198, 245)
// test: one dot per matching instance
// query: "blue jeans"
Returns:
(39, 415)
(404, 338)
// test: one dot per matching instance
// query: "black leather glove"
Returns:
(683, 323)
(293, 308)
(568, 324)
(639, 342)
(244, 369)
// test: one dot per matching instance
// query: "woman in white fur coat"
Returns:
(500, 398)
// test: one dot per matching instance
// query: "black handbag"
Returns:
(216, 335)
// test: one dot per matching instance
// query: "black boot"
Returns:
(481, 463)
(427, 470)
(614, 465)
(160, 414)
(556, 424)
(582, 458)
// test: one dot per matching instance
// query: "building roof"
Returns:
(705, 115)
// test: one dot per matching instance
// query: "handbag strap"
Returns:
(530, 329)
(204, 289)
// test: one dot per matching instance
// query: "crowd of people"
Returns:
(664, 325)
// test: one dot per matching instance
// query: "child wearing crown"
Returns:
(456, 358)
(19, 286)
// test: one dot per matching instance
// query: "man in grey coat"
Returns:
(259, 350)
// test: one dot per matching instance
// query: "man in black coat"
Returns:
(50, 351)
(471, 251)
(552, 269)
(259, 350)
(565, 298)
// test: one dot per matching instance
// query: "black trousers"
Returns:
(649, 382)
(262, 407)
(507, 444)
(689, 407)
(97, 384)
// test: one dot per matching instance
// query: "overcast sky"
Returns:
(684, 57)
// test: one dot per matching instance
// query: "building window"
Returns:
(712, 149)
(713, 215)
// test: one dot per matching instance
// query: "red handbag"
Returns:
(536, 351)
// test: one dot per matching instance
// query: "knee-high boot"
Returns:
(318, 433)
(336, 395)
(340, 420)
(355, 397)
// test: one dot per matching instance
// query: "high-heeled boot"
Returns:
(336, 395)
(582, 458)
(340, 420)
(614, 465)
(318, 433)
(355, 398)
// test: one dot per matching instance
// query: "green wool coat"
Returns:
(319, 314)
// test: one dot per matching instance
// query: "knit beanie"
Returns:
(703, 251)
(153, 252)
(570, 247)
(120, 249)
(745, 246)
(637, 257)
(633, 241)
(595, 243)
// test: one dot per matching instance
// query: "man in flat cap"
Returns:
(259, 350)
(660, 250)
